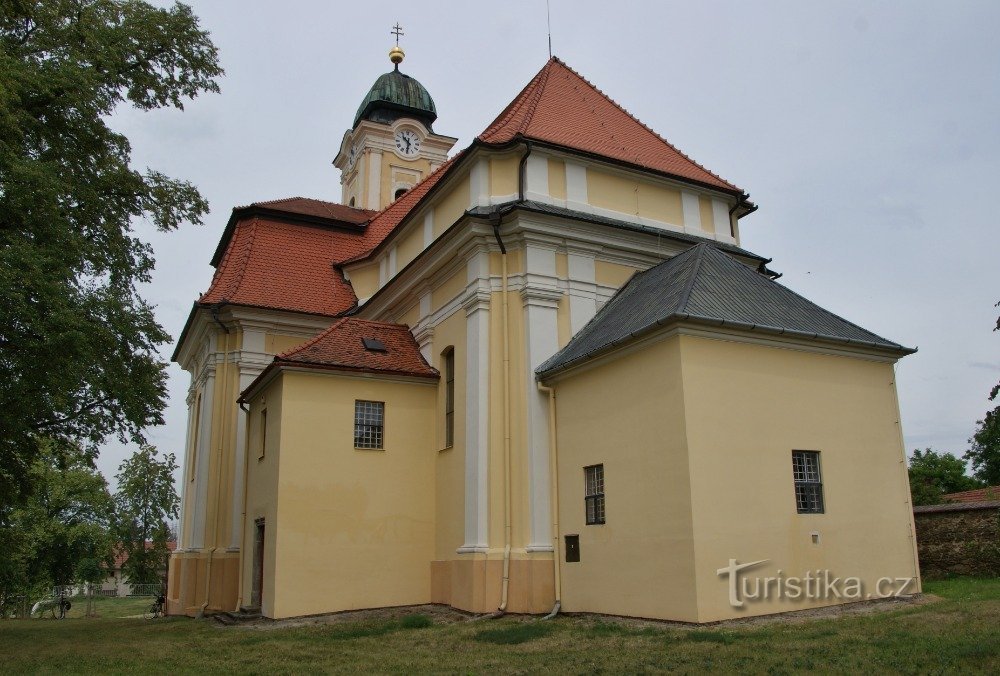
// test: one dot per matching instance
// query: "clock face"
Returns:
(352, 156)
(407, 143)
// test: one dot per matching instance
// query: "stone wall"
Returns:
(958, 539)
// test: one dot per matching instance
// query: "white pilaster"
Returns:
(374, 159)
(428, 228)
(581, 268)
(477, 313)
(692, 213)
(247, 376)
(576, 186)
(182, 531)
(203, 457)
(479, 184)
(541, 341)
(536, 178)
(720, 218)
(392, 262)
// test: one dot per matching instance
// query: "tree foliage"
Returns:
(984, 449)
(64, 523)
(145, 503)
(933, 474)
(78, 345)
(984, 446)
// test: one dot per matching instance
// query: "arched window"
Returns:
(351, 203)
(399, 193)
(448, 367)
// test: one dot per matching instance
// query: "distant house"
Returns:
(988, 494)
(116, 584)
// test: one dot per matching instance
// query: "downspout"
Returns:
(243, 516)
(554, 482)
(218, 487)
(495, 222)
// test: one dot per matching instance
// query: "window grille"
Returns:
(449, 398)
(808, 482)
(594, 493)
(369, 417)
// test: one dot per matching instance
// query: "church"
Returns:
(539, 374)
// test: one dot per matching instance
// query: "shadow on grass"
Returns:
(367, 629)
(514, 634)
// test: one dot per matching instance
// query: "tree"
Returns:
(64, 522)
(934, 474)
(78, 345)
(145, 502)
(984, 451)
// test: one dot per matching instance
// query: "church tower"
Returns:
(392, 145)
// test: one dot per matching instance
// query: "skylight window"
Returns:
(373, 345)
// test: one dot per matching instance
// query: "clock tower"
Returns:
(392, 145)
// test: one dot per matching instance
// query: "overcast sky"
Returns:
(866, 132)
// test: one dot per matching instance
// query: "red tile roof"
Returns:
(975, 495)
(561, 107)
(342, 347)
(285, 266)
(121, 556)
(306, 206)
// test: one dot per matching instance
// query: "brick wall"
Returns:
(958, 539)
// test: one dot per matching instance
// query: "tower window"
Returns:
(399, 193)
(351, 203)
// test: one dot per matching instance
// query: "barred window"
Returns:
(808, 482)
(369, 417)
(449, 398)
(594, 493)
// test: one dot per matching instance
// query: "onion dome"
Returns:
(395, 95)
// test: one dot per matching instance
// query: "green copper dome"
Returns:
(395, 95)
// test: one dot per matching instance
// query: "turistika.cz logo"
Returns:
(815, 585)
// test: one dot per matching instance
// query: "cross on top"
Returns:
(397, 30)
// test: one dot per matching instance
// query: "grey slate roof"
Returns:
(705, 285)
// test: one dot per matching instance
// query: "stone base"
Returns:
(187, 577)
(474, 584)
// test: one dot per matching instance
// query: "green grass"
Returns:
(958, 634)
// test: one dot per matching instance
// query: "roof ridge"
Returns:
(645, 126)
(248, 250)
(518, 102)
(699, 255)
(733, 261)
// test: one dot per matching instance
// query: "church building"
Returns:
(540, 373)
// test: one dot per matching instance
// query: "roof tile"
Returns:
(343, 346)
(561, 107)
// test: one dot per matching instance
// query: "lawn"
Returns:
(960, 633)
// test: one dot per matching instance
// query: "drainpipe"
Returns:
(243, 518)
(495, 222)
(554, 482)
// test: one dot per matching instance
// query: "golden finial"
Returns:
(396, 54)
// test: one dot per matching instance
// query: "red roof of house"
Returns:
(342, 346)
(987, 494)
(121, 556)
(561, 107)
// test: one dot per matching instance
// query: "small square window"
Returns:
(369, 418)
(808, 482)
(594, 494)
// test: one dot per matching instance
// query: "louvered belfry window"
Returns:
(808, 482)
(594, 494)
(369, 418)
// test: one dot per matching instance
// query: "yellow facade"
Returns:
(696, 437)
(333, 513)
